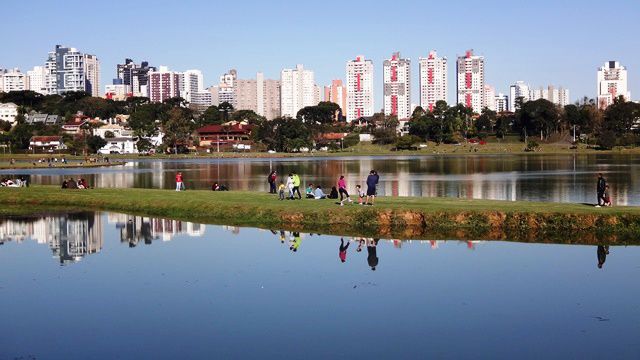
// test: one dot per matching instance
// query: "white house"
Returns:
(8, 112)
(46, 143)
(117, 130)
(121, 145)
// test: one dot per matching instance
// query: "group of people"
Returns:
(19, 182)
(75, 184)
(291, 189)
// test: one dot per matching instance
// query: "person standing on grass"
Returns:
(273, 177)
(290, 186)
(296, 186)
(179, 184)
(601, 187)
(372, 182)
(342, 189)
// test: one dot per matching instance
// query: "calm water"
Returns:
(558, 178)
(103, 286)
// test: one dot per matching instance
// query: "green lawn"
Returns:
(402, 217)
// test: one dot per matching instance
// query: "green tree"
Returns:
(144, 145)
(283, 134)
(211, 116)
(144, 121)
(95, 143)
(246, 115)
(323, 113)
(485, 122)
(178, 127)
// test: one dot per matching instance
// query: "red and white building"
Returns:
(163, 84)
(612, 82)
(397, 86)
(433, 80)
(359, 88)
(470, 80)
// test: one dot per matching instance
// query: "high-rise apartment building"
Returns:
(191, 81)
(163, 84)
(489, 97)
(135, 76)
(397, 86)
(14, 80)
(433, 80)
(297, 90)
(612, 82)
(337, 94)
(360, 96)
(36, 79)
(470, 78)
(501, 103)
(558, 96)
(91, 67)
(518, 90)
(259, 95)
(65, 71)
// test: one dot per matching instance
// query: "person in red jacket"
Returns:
(179, 184)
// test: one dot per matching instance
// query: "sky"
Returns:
(541, 42)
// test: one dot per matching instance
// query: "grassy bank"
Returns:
(397, 217)
(365, 149)
(23, 165)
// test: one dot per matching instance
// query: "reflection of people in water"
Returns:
(295, 244)
(603, 251)
(360, 243)
(372, 257)
(282, 236)
(343, 250)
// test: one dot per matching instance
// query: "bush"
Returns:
(532, 146)
(407, 142)
(351, 140)
(384, 136)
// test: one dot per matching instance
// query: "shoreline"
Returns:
(392, 217)
(465, 149)
(39, 166)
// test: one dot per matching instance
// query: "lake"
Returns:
(536, 177)
(104, 285)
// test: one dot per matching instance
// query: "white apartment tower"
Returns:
(191, 82)
(36, 79)
(298, 90)
(518, 90)
(612, 82)
(471, 81)
(489, 97)
(14, 80)
(501, 103)
(397, 86)
(433, 80)
(359, 88)
(91, 68)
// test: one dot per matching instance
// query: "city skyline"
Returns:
(572, 65)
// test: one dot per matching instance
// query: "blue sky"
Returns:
(542, 42)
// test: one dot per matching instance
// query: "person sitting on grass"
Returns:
(215, 187)
(65, 184)
(309, 192)
(72, 184)
(319, 194)
(281, 189)
(334, 193)
(606, 197)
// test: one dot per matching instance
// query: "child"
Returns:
(606, 197)
(281, 191)
(361, 194)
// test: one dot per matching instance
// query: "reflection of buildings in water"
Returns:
(232, 229)
(69, 237)
(137, 229)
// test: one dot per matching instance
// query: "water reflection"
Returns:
(212, 290)
(558, 178)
